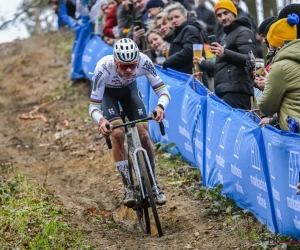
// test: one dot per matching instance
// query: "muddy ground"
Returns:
(58, 146)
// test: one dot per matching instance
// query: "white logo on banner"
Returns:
(276, 194)
(224, 133)
(278, 213)
(261, 201)
(184, 132)
(258, 183)
(209, 124)
(293, 204)
(296, 222)
(184, 111)
(198, 143)
(199, 159)
(238, 141)
(255, 155)
(188, 147)
(294, 169)
(220, 161)
(197, 112)
(236, 171)
(270, 161)
(239, 188)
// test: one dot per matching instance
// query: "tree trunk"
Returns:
(270, 8)
(37, 27)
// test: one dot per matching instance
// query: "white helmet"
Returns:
(126, 50)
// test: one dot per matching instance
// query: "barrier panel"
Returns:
(258, 167)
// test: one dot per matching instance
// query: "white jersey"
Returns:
(106, 76)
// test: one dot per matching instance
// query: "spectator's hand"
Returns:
(261, 82)
(264, 121)
(250, 67)
(160, 114)
(102, 129)
(298, 187)
(198, 59)
(217, 49)
(137, 33)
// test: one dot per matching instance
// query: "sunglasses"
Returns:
(123, 66)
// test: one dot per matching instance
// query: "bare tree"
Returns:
(32, 14)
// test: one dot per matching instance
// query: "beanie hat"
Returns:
(289, 9)
(283, 30)
(262, 27)
(225, 4)
(154, 4)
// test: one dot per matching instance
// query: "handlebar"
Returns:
(132, 123)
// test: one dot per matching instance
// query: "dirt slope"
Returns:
(71, 158)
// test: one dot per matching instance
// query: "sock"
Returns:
(123, 168)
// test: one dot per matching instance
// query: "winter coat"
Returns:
(181, 48)
(111, 22)
(230, 73)
(282, 91)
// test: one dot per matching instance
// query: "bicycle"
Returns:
(143, 178)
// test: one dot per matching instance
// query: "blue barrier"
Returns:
(258, 167)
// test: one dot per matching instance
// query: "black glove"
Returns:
(250, 67)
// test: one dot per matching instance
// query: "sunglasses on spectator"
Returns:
(125, 66)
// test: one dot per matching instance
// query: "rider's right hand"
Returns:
(103, 130)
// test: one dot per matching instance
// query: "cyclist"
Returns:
(114, 82)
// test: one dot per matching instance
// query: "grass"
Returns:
(32, 218)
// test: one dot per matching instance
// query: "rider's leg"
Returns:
(148, 146)
(121, 161)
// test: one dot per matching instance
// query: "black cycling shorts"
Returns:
(130, 99)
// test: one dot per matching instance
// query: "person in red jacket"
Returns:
(111, 20)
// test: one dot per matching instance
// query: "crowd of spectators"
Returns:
(166, 30)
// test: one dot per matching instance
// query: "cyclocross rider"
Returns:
(114, 81)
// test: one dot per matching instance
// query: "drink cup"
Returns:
(259, 66)
(116, 32)
(167, 52)
(197, 49)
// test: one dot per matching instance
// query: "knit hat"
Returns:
(262, 27)
(225, 4)
(154, 4)
(283, 30)
(289, 9)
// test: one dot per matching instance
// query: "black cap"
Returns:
(262, 27)
(290, 9)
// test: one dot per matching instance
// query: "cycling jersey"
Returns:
(106, 76)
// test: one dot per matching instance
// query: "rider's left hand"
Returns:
(160, 114)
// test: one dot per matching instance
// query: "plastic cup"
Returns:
(197, 49)
(116, 32)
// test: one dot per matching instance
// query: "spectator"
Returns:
(156, 42)
(153, 7)
(282, 90)
(298, 189)
(231, 81)
(187, 31)
(262, 28)
(111, 19)
(206, 18)
(125, 16)
(163, 24)
(101, 19)
(254, 28)
(138, 33)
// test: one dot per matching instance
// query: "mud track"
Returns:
(66, 155)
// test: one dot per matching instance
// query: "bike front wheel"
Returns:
(149, 201)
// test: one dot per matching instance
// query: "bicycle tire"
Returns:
(141, 208)
(148, 187)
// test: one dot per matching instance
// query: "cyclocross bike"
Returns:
(141, 174)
